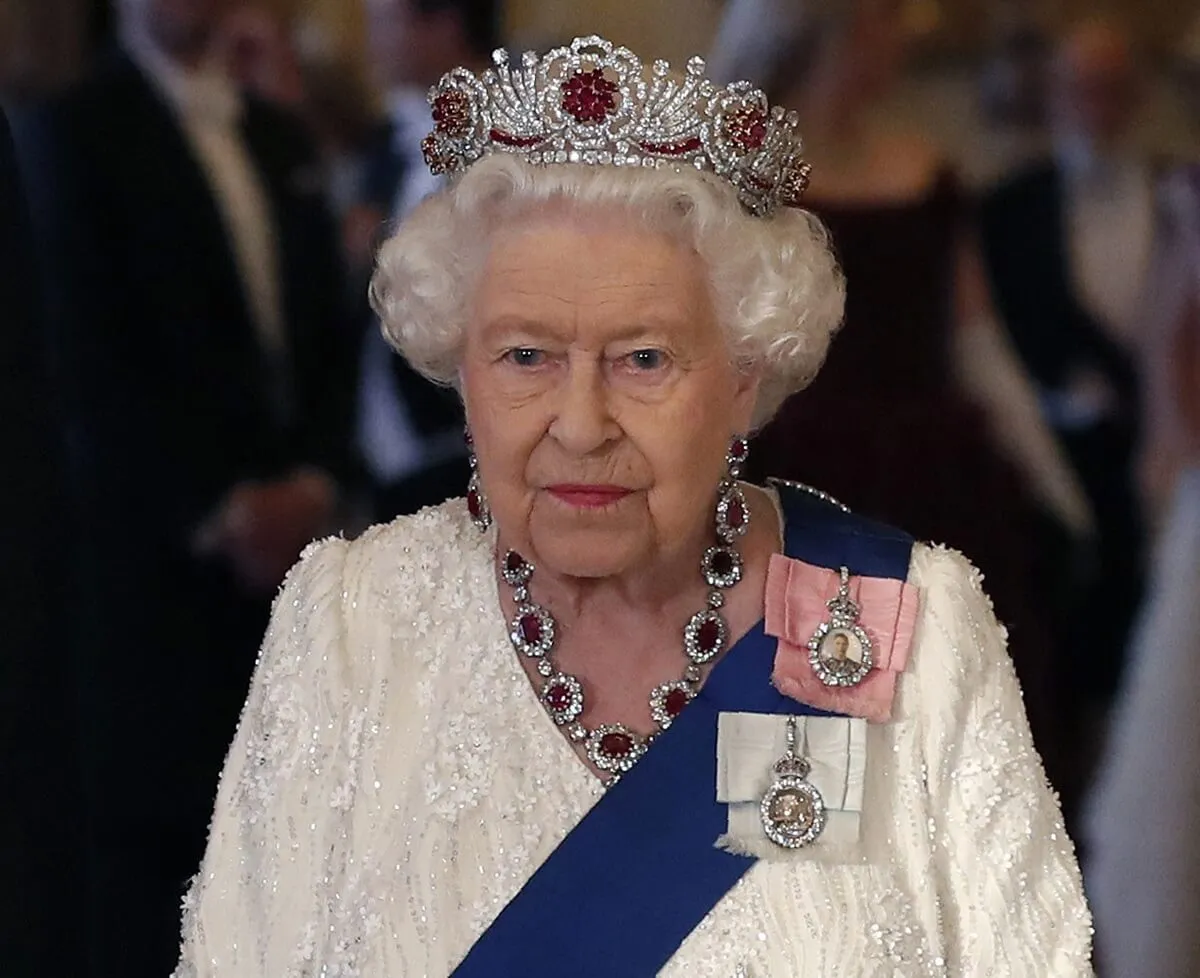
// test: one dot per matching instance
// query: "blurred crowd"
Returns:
(194, 388)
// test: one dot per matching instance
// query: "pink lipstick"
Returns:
(588, 496)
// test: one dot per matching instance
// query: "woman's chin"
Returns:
(589, 552)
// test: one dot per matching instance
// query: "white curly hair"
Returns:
(775, 285)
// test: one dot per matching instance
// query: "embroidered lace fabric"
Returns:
(394, 781)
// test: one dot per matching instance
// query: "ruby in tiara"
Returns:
(747, 128)
(452, 113)
(595, 103)
(437, 159)
(588, 96)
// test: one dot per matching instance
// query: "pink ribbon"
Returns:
(796, 599)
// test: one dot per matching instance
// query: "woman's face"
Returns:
(600, 394)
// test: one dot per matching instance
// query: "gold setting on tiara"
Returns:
(595, 103)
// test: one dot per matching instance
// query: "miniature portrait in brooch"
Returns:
(841, 649)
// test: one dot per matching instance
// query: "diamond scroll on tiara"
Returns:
(596, 103)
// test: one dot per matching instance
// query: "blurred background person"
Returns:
(41, 858)
(342, 115)
(44, 45)
(1067, 242)
(193, 270)
(289, 62)
(922, 414)
(255, 45)
(410, 431)
(1144, 855)
(751, 37)
(1011, 97)
(1013, 82)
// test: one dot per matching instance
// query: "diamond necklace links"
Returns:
(613, 747)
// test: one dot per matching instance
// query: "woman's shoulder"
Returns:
(357, 615)
(958, 642)
(944, 570)
(341, 588)
(953, 608)
(435, 541)
(951, 585)
(429, 538)
(428, 559)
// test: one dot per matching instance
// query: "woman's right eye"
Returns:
(526, 356)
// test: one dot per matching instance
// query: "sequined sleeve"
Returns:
(1010, 897)
(245, 913)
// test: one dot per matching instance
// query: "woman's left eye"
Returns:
(646, 360)
(526, 356)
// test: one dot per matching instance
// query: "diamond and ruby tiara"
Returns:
(596, 103)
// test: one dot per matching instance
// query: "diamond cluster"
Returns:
(595, 103)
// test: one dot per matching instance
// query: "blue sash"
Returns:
(632, 880)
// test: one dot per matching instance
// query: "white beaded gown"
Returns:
(395, 781)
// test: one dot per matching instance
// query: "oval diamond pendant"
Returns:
(792, 810)
(840, 651)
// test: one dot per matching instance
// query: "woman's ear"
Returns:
(745, 397)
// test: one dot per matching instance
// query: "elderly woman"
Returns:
(591, 720)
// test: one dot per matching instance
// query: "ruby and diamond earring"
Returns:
(477, 504)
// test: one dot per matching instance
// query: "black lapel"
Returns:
(166, 169)
(202, 299)
(1051, 228)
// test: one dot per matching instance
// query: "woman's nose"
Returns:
(583, 421)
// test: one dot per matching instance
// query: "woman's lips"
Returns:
(588, 497)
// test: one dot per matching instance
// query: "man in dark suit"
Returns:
(40, 862)
(1067, 243)
(196, 289)
(410, 431)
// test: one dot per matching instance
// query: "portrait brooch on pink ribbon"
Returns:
(843, 639)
